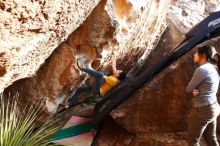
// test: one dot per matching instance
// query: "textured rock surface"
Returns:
(101, 34)
(156, 113)
(186, 13)
(157, 97)
(31, 30)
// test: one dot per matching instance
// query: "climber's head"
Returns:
(122, 75)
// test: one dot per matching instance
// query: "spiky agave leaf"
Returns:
(19, 129)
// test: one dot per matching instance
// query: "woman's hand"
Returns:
(195, 92)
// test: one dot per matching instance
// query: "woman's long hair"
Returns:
(212, 55)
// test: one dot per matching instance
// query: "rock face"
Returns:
(162, 104)
(113, 26)
(31, 30)
(186, 13)
(156, 114)
(158, 109)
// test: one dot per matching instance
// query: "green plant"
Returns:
(19, 128)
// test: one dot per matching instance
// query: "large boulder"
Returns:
(162, 104)
(40, 46)
(31, 30)
(127, 28)
(157, 113)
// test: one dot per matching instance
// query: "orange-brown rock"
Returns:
(99, 36)
(40, 46)
(157, 113)
(31, 30)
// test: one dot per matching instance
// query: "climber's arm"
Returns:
(114, 70)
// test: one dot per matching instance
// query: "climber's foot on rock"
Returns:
(62, 107)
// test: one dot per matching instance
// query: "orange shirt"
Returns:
(110, 82)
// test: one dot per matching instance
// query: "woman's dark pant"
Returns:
(202, 122)
(99, 76)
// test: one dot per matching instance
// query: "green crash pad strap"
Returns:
(73, 131)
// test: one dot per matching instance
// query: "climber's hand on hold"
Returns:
(66, 106)
(195, 92)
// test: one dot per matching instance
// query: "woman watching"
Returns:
(204, 105)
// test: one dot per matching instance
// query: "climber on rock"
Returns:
(103, 83)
